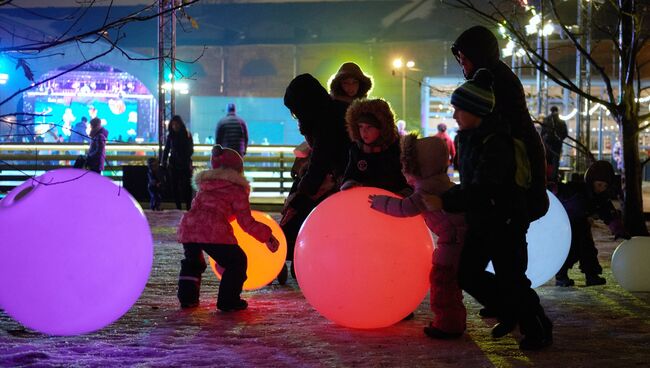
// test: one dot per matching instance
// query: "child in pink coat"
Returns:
(222, 193)
(424, 164)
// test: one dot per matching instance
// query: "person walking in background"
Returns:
(177, 159)
(79, 134)
(442, 134)
(96, 155)
(232, 132)
(554, 131)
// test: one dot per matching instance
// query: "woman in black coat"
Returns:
(177, 158)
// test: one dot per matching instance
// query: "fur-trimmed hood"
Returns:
(381, 111)
(350, 70)
(424, 157)
(207, 179)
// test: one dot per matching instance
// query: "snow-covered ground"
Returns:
(602, 326)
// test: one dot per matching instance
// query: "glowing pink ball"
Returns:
(76, 252)
(359, 267)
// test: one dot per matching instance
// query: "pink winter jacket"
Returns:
(222, 194)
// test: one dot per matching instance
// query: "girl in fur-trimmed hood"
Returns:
(424, 163)
(222, 193)
(374, 152)
(350, 83)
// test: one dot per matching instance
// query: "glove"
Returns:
(272, 244)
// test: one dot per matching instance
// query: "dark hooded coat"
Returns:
(481, 47)
(323, 127)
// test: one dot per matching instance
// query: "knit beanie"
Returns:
(476, 95)
(226, 158)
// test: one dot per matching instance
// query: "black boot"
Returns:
(562, 279)
(241, 304)
(594, 279)
(189, 289)
(537, 331)
(436, 333)
(487, 313)
(503, 328)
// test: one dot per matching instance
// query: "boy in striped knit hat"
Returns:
(495, 209)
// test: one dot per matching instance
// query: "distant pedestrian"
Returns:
(177, 161)
(232, 131)
(442, 134)
(96, 155)
(554, 131)
(78, 133)
(222, 194)
(154, 183)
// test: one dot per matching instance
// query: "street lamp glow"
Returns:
(398, 63)
(410, 64)
(548, 29)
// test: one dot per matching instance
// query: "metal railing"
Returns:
(267, 168)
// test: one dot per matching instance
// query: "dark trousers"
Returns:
(181, 186)
(154, 197)
(508, 290)
(229, 256)
(583, 250)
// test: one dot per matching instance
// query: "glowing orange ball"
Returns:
(359, 267)
(263, 266)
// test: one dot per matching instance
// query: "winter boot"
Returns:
(436, 333)
(189, 288)
(487, 313)
(241, 304)
(562, 279)
(594, 279)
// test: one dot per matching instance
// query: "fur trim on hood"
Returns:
(424, 157)
(381, 111)
(350, 70)
(230, 175)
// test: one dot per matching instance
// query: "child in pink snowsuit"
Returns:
(424, 164)
(222, 193)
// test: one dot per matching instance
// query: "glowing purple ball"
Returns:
(76, 252)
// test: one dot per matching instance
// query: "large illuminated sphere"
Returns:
(76, 252)
(549, 241)
(263, 265)
(359, 267)
(631, 264)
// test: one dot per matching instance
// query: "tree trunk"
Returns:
(627, 117)
(633, 217)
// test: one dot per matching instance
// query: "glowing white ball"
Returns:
(76, 252)
(549, 241)
(630, 264)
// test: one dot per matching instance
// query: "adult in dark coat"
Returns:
(476, 48)
(232, 132)
(323, 127)
(96, 155)
(495, 208)
(554, 131)
(177, 159)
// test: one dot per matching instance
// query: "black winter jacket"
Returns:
(487, 193)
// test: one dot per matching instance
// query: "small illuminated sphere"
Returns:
(263, 265)
(630, 264)
(549, 241)
(76, 252)
(359, 267)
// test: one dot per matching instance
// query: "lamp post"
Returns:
(398, 64)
